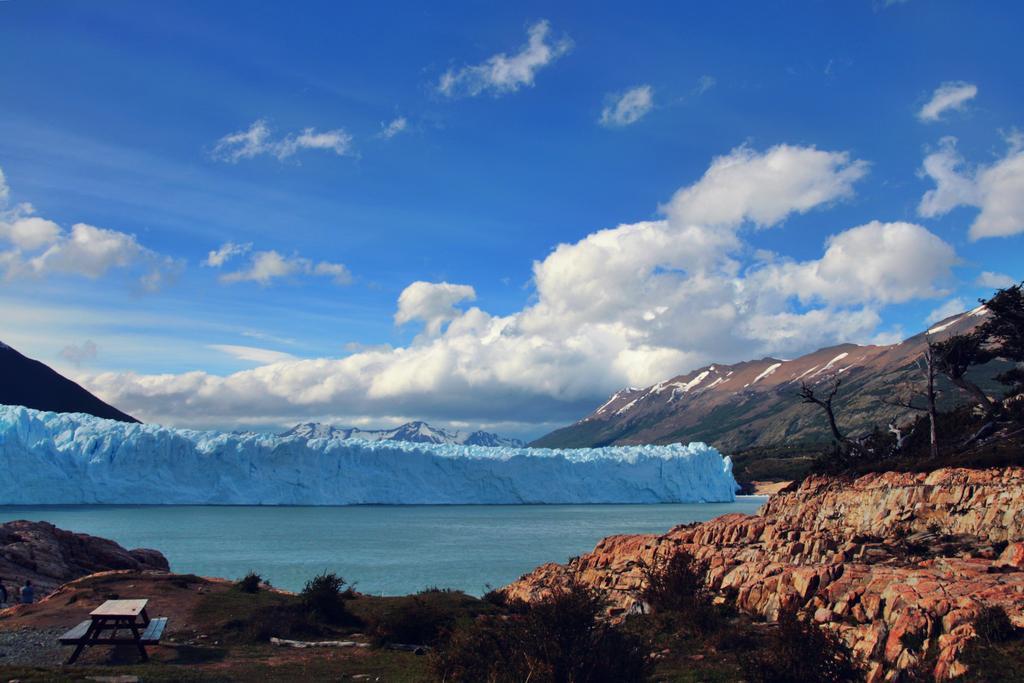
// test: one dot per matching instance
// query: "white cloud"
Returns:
(227, 251)
(996, 189)
(78, 354)
(502, 73)
(949, 308)
(432, 303)
(336, 271)
(266, 266)
(950, 96)
(877, 262)
(40, 248)
(764, 188)
(258, 140)
(89, 251)
(994, 280)
(337, 141)
(5, 192)
(393, 127)
(253, 353)
(632, 304)
(628, 107)
(29, 232)
(244, 144)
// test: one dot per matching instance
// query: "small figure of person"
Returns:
(3, 594)
(28, 593)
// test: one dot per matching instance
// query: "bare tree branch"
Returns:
(808, 395)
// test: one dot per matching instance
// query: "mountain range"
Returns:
(27, 382)
(414, 432)
(755, 404)
(735, 407)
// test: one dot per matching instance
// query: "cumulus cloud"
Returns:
(218, 257)
(877, 262)
(628, 107)
(764, 188)
(631, 304)
(994, 280)
(77, 354)
(432, 303)
(949, 308)
(5, 192)
(950, 96)
(89, 251)
(29, 232)
(502, 73)
(254, 354)
(336, 271)
(40, 247)
(393, 127)
(258, 140)
(996, 189)
(266, 266)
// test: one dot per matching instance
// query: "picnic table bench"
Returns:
(104, 622)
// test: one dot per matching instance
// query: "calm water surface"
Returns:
(386, 550)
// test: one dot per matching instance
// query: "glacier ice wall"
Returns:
(57, 458)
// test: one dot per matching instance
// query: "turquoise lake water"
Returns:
(387, 550)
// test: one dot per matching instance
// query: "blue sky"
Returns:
(117, 116)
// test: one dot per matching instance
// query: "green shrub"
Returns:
(993, 625)
(502, 601)
(416, 620)
(323, 598)
(250, 583)
(801, 652)
(677, 585)
(280, 621)
(997, 654)
(561, 639)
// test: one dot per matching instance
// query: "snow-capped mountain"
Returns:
(54, 458)
(755, 403)
(412, 432)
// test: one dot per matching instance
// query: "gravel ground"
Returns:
(31, 647)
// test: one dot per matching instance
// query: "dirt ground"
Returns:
(199, 643)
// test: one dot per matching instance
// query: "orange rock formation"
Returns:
(886, 560)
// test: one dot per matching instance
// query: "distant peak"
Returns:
(417, 431)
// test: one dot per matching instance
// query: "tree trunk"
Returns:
(975, 391)
(932, 412)
(832, 422)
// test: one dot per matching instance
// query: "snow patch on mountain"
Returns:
(413, 432)
(61, 458)
(828, 365)
(768, 371)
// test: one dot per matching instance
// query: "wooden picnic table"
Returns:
(104, 623)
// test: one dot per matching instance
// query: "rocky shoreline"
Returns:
(898, 564)
(49, 556)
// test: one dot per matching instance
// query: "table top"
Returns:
(120, 608)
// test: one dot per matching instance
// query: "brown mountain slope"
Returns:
(755, 403)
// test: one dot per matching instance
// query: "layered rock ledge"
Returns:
(50, 556)
(899, 564)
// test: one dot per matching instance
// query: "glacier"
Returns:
(59, 459)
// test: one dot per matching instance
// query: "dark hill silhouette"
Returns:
(27, 382)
